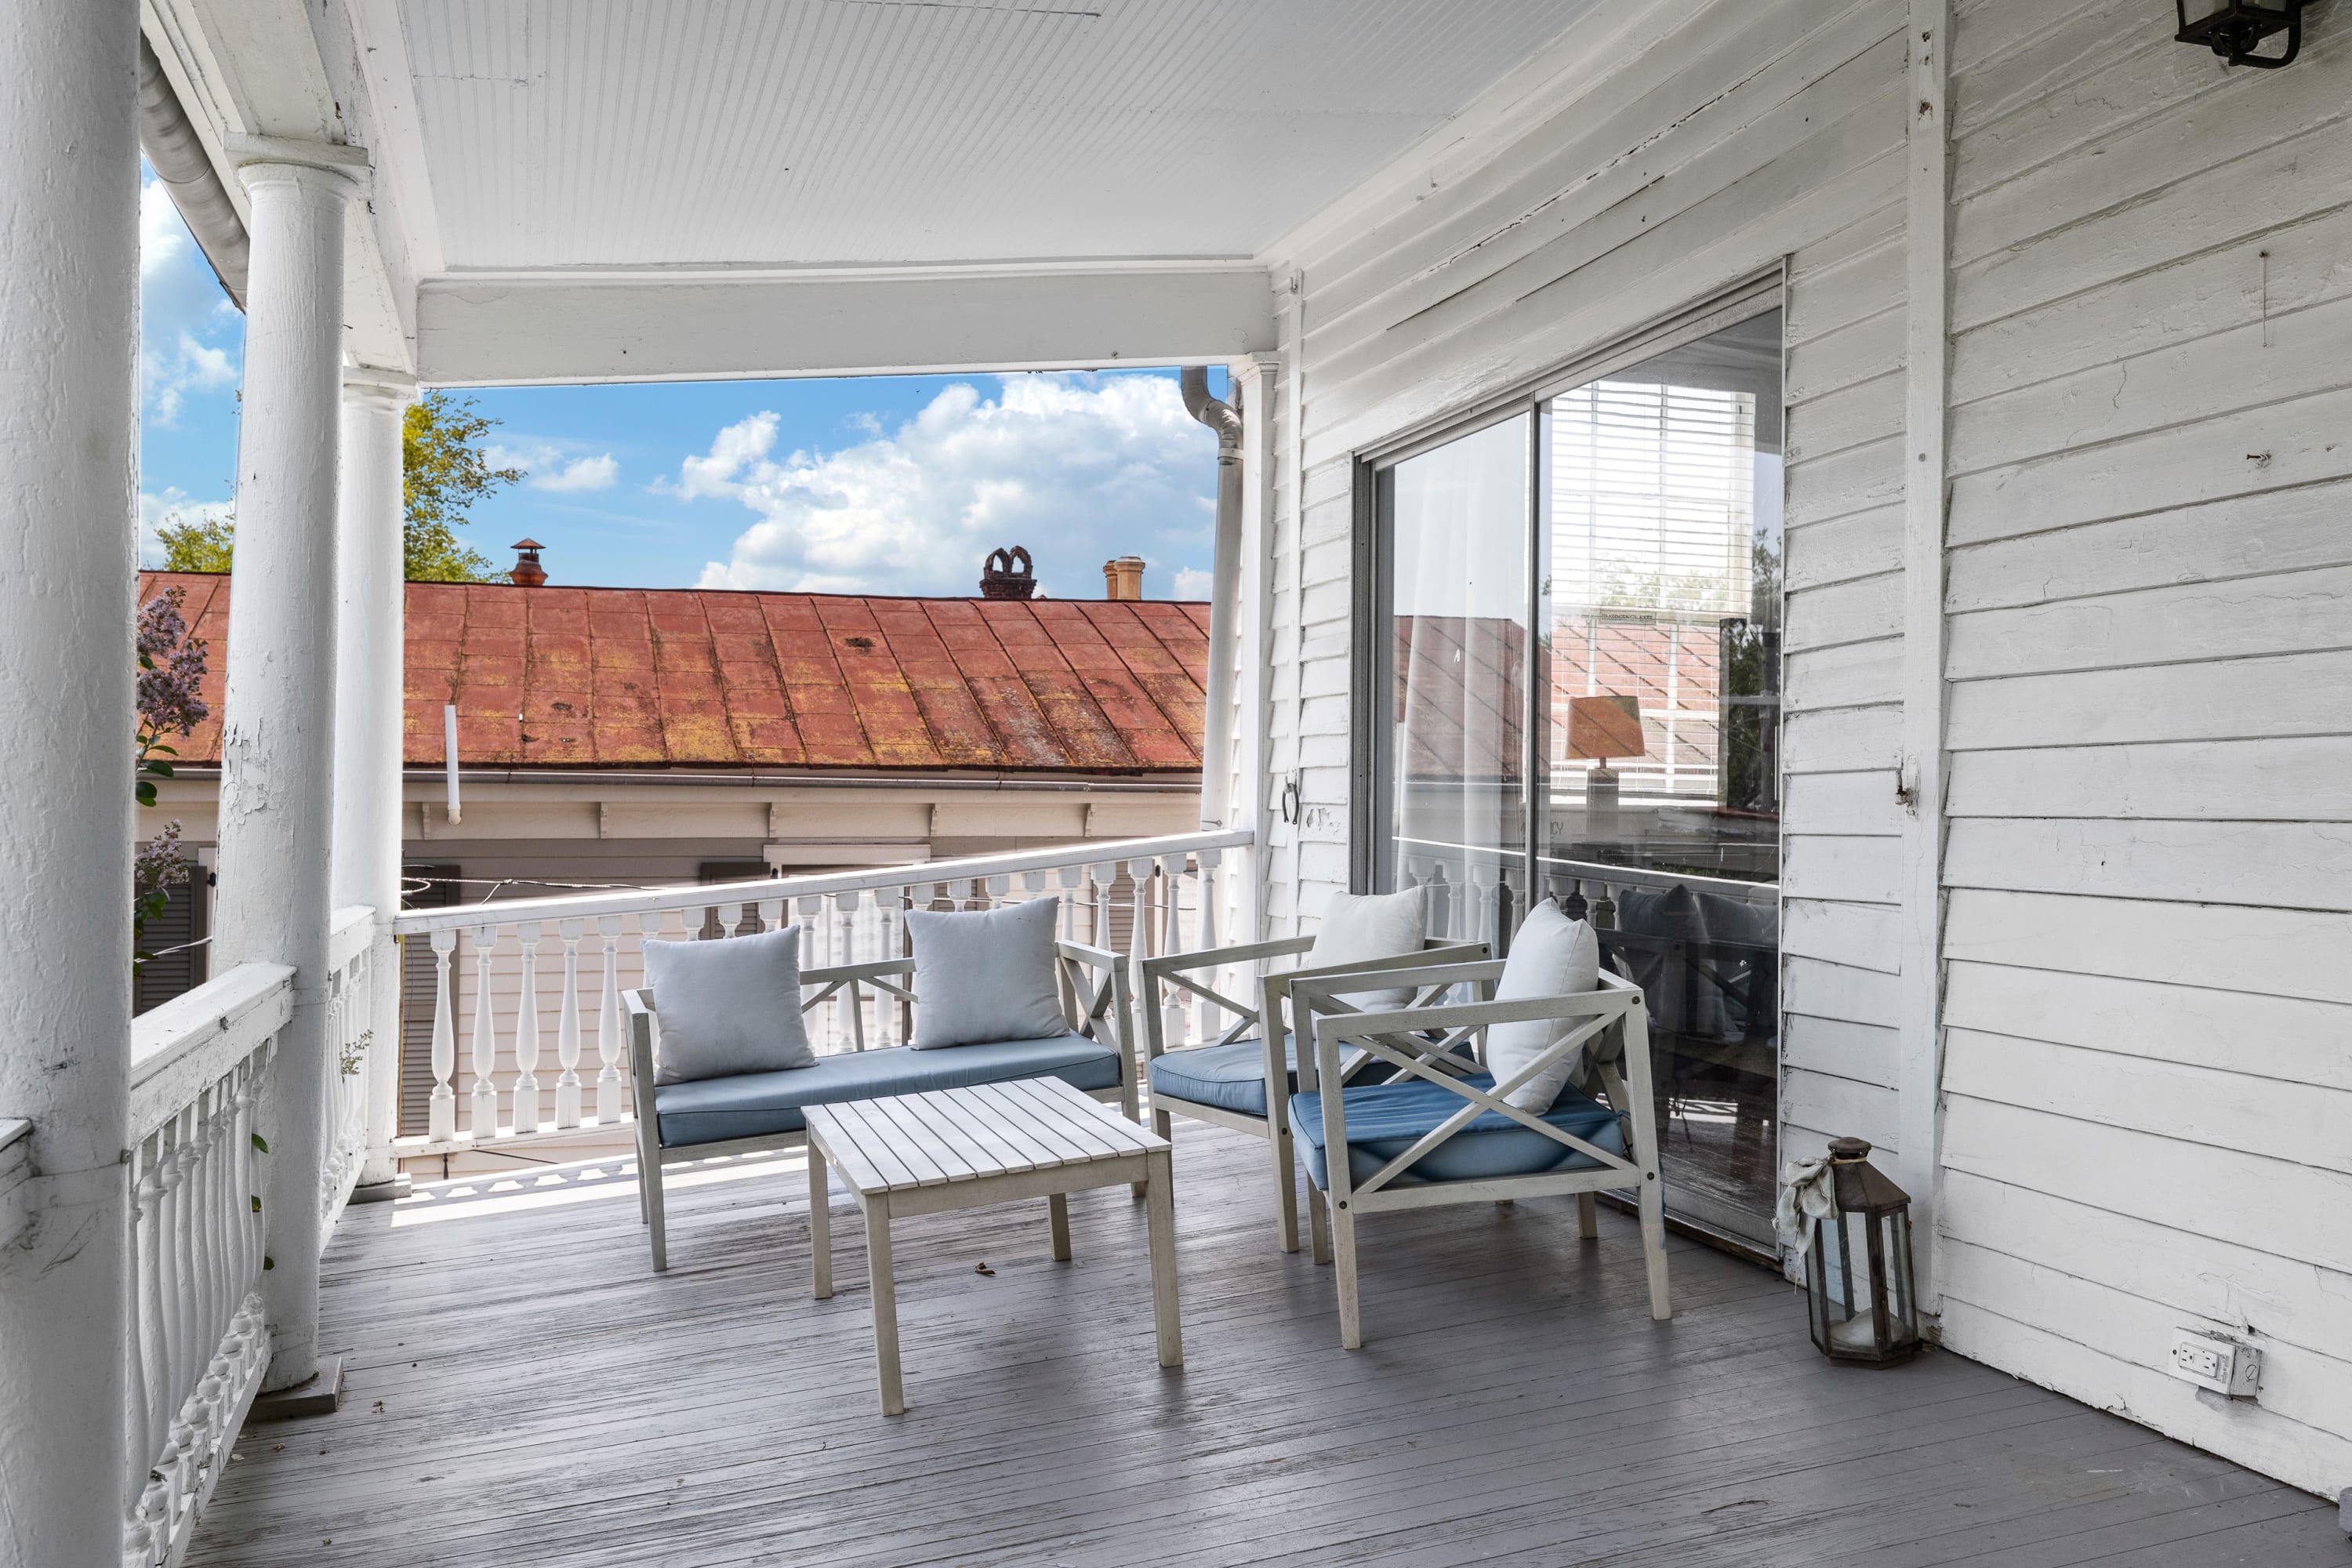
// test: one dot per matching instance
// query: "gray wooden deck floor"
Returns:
(522, 1390)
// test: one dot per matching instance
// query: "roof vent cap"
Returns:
(527, 573)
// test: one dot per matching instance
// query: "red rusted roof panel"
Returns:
(575, 677)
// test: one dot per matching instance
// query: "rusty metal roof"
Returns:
(642, 678)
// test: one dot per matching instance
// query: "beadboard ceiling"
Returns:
(620, 133)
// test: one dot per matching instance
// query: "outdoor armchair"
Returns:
(1438, 1130)
(1245, 1078)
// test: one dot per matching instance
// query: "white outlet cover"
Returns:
(2227, 1367)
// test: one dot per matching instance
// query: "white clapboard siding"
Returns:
(1859, 1052)
(2291, 865)
(2149, 871)
(2184, 1270)
(2291, 695)
(2286, 952)
(1862, 936)
(2119, 1088)
(2289, 1038)
(2246, 536)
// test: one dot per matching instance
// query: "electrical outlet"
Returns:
(2216, 1362)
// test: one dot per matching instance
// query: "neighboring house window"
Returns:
(175, 941)
(1574, 612)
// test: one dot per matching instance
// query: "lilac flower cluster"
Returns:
(170, 670)
(170, 702)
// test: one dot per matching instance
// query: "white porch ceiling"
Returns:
(562, 134)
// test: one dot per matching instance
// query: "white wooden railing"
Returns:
(1464, 881)
(516, 976)
(198, 1344)
(352, 956)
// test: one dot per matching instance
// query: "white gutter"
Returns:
(177, 155)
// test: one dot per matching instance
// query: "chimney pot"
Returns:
(527, 573)
(1123, 578)
(1007, 574)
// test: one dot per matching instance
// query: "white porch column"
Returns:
(69, 465)
(368, 677)
(278, 732)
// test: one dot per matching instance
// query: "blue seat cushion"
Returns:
(1230, 1077)
(1385, 1118)
(754, 1104)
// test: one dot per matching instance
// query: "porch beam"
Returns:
(278, 736)
(368, 671)
(524, 327)
(69, 465)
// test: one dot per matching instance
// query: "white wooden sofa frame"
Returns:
(1613, 1020)
(1177, 969)
(1093, 1008)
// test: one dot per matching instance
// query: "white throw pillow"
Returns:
(987, 974)
(728, 1006)
(1550, 956)
(1359, 927)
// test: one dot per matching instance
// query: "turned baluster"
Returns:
(526, 1037)
(441, 1112)
(1103, 875)
(1066, 879)
(485, 1123)
(610, 1102)
(567, 1028)
(1172, 1014)
(1138, 929)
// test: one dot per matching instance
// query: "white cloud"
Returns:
(1078, 468)
(162, 237)
(1193, 583)
(547, 469)
(190, 335)
(171, 506)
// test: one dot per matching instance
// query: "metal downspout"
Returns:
(1225, 592)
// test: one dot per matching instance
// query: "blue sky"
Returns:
(884, 485)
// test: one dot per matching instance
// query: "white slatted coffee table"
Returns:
(962, 1148)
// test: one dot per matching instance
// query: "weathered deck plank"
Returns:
(524, 1391)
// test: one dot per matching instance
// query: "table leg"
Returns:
(1058, 1206)
(820, 1224)
(885, 1287)
(1160, 1215)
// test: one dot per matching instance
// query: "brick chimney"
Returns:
(1123, 578)
(527, 573)
(1007, 574)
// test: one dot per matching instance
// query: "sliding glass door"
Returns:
(1581, 605)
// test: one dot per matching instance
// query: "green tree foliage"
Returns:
(443, 473)
(197, 544)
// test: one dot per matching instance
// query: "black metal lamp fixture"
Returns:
(2233, 29)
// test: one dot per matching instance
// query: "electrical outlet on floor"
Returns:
(2216, 1362)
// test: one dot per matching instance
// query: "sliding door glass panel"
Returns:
(1658, 759)
(1457, 521)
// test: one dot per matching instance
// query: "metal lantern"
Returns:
(1858, 1268)
(2232, 29)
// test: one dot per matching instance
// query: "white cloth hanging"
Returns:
(1807, 1196)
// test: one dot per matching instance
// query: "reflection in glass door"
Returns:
(1633, 522)
(1458, 658)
